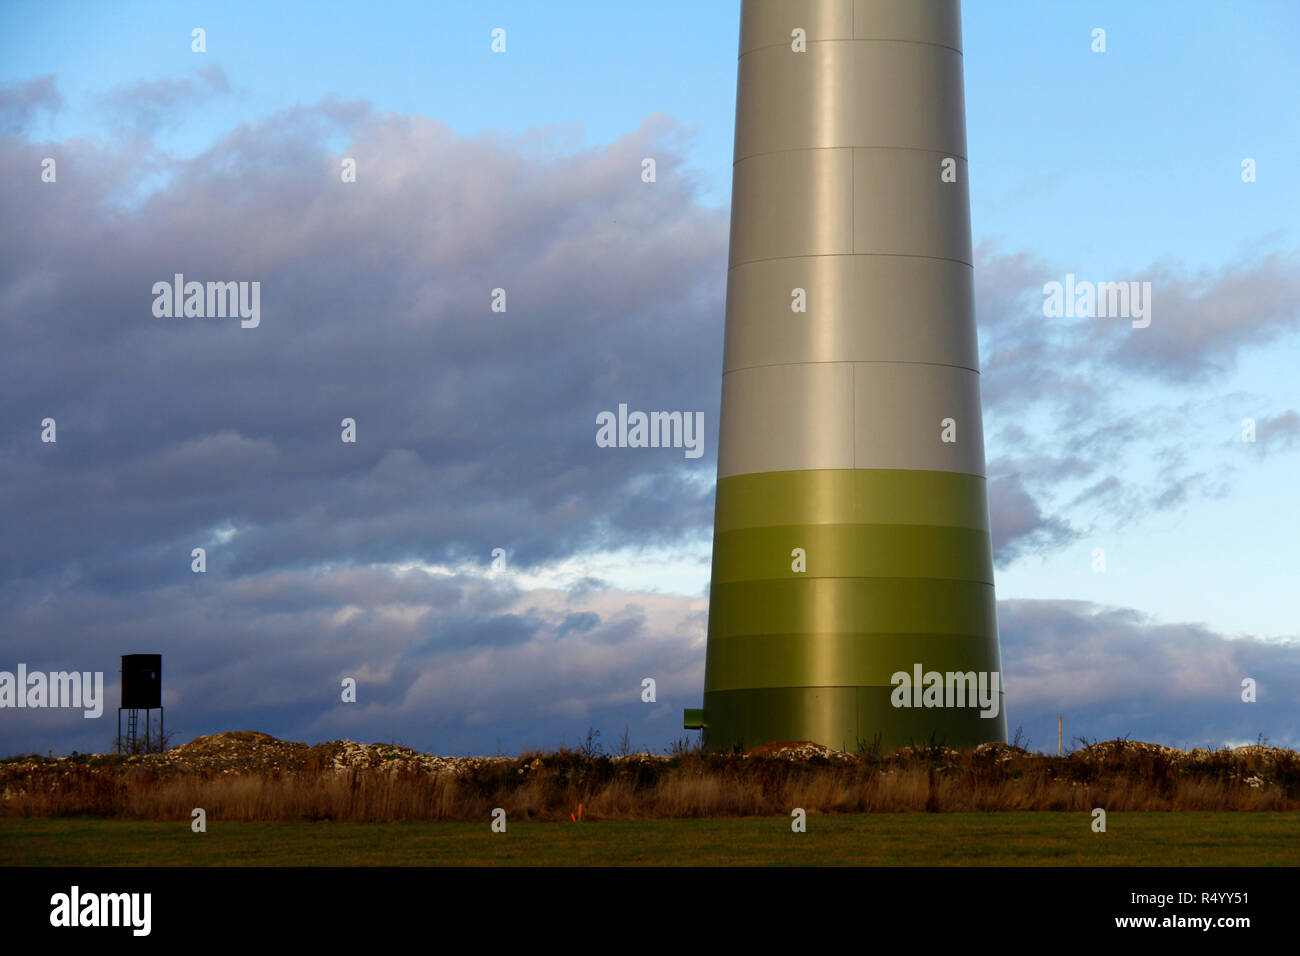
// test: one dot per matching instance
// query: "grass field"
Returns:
(892, 839)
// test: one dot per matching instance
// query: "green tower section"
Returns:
(896, 573)
(852, 598)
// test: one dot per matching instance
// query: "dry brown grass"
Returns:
(1117, 775)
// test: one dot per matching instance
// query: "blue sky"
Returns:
(1119, 165)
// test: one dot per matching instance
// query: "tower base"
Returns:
(851, 719)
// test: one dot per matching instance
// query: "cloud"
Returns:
(1113, 672)
(152, 105)
(1203, 320)
(1278, 432)
(1018, 523)
(461, 661)
(456, 660)
(1095, 418)
(476, 429)
(20, 104)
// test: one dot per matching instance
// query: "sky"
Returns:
(520, 169)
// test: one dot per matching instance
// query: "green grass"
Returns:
(968, 839)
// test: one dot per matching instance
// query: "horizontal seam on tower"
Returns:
(758, 688)
(720, 530)
(823, 255)
(773, 471)
(980, 477)
(742, 368)
(805, 149)
(843, 523)
(942, 46)
(804, 576)
(963, 635)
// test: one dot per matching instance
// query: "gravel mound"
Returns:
(797, 750)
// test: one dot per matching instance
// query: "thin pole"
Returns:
(1060, 721)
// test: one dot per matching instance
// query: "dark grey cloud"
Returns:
(19, 105)
(581, 622)
(476, 429)
(1019, 524)
(457, 661)
(469, 662)
(1113, 672)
